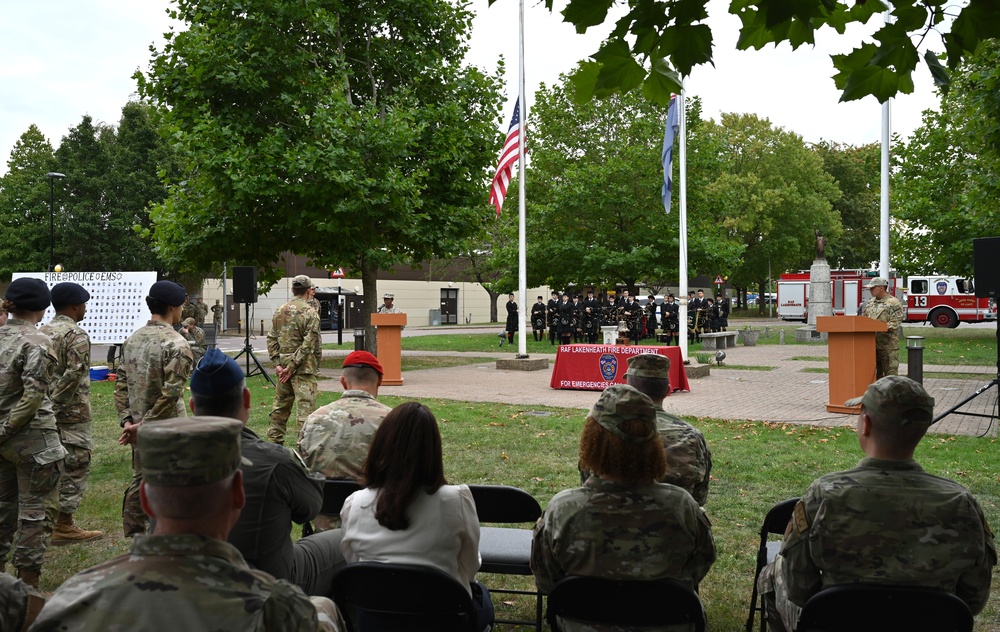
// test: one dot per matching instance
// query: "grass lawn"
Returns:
(755, 466)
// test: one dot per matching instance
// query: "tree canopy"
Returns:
(347, 132)
(659, 41)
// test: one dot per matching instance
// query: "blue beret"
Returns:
(69, 294)
(216, 373)
(168, 292)
(31, 295)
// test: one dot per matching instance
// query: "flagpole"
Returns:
(682, 239)
(522, 265)
(883, 263)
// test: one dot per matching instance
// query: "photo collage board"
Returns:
(117, 305)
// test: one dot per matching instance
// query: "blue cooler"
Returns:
(99, 373)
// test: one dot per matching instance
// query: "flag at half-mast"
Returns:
(667, 157)
(508, 157)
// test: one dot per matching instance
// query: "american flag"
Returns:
(498, 190)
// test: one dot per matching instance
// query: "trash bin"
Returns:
(435, 317)
(359, 338)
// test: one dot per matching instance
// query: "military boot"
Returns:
(30, 576)
(65, 532)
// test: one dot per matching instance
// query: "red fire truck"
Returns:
(945, 301)
(848, 292)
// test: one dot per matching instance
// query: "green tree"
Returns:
(346, 132)
(492, 253)
(24, 205)
(770, 194)
(857, 172)
(595, 211)
(946, 190)
(659, 40)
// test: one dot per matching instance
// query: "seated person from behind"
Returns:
(887, 521)
(689, 461)
(622, 524)
(185, 576)
(279, 489)
(408, 514)
(335, 438)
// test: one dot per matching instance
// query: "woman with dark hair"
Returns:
(622, 524)
(30, 448)
(408, 514)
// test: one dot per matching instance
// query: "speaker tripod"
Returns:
(258, 369)
(982, 389)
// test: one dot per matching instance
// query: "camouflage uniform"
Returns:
(217, 317)
(30, 450)
(689, 461)
(70, 395)
(184, 581)
(335, 439)
(197, 341)
(189, 310)
(619, 531)
(19, 603)
(156, 365)
(294, 343)
(885, 522)
(889, 311)
(200, 313)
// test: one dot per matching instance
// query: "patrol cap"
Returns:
(388, 295)
(168, 292)
(67, 293)
(29, 294)
(651, 365)
(189, 321)
(189, 451)
(301, 281)
(878, 281)
(897, 398)
(363, 358)
(216, 373)
(620, 403)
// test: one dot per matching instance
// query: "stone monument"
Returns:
(820, 294)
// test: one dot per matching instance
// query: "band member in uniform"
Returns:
(651, 316)
(552, 311)
(577, 319)
(724, 306)
(538, 320)
(669, 316)
(631, 313)
(566, 313)
(695, 316)
(711, 315)
(591, 317)
(512, 324)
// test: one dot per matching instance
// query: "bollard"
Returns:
(239, 326)
(262, 326)
(359, 338)
(915, 358)
(781, 336)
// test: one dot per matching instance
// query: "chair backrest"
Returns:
(335, 492)
(775, 523)
(626, 603)
(871, 608)
(428, 598)
(210, 337)
(501, 503)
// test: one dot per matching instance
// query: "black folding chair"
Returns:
(624, 603)
(335, 492)
(877, 608)
(775, 523)
(423, 598)
(507, 551)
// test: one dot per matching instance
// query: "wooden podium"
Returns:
(852, 357)
(390, 334)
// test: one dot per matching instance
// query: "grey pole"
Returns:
(52, 175)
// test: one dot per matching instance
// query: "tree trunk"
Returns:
(369, 286)
(762, 303)
(493, 304)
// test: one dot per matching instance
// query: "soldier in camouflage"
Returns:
(19, 603)
(30, 450)
(217, 310)
(295, 347)
(195, 337)
(201, 312)
(622, 524)
(885, 522)
(156, 364)
(70, 395)
(886, 308)
(689, 461)
(189, 310)
(185, 576)
(335, 438)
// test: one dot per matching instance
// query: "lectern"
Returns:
(390, 334)
(852, 357)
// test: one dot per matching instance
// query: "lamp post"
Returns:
(52, 175)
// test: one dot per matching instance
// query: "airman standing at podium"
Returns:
(886, 308)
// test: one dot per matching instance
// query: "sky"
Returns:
(62, 59)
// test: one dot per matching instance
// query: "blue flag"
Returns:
(667, 157)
